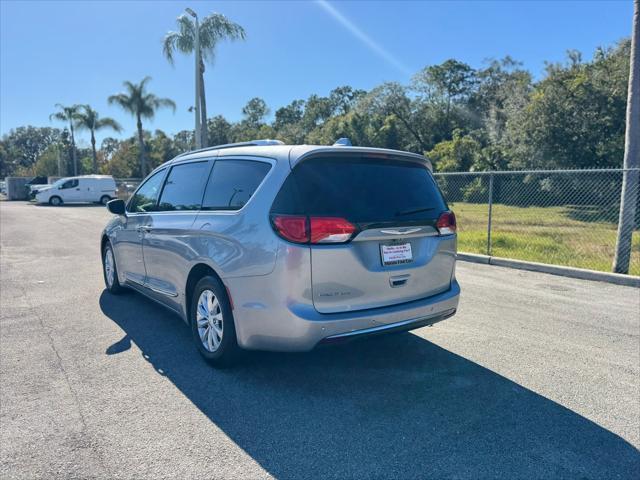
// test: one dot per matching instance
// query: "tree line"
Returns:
(496, 116)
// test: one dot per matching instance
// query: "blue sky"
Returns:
(80, 52)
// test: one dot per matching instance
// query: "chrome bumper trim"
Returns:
(400, 326)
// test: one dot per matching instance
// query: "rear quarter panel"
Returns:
(241, 243)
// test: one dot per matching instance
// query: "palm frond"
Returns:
(142, 85)
(67, 113)
(86, 118)
(123, 101)
(129, 86)
(186, 25)
(186, 44)
(165, 103)
(108, 122)
(137, 101)
(58, 116)
(169, 45)
(215, 28)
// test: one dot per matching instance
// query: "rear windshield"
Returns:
(362, 190)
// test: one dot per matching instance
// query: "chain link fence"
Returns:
(562, 217)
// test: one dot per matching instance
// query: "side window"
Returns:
(183, 188)
(232, 183)
(69, 184)
(144, 200)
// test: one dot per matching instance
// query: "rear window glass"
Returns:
(361, 190)
(232, 183)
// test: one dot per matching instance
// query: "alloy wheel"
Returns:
(109, 267)
(209, 321)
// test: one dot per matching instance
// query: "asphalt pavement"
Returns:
(537, 376)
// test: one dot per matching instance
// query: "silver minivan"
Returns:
(267, 246)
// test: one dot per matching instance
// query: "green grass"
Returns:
(541, 234)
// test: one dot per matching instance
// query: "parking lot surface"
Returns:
(537, 376)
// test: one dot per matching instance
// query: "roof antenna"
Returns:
(343, 142)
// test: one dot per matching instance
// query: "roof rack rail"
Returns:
(251, 143)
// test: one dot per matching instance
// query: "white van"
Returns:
(84, 189)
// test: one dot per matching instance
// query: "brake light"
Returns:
(291, 227)
(302, 229)
(331, 230)
(447, 223)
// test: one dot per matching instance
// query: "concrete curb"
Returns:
(581, 273)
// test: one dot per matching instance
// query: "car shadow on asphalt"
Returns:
(391, 407)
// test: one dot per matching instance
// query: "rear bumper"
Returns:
(402, 326)
(263, 325)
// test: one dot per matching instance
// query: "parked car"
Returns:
(274, 247)
(3, 187)
(34, 189)
(83, 189)
(35, 184)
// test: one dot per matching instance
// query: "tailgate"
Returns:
(353, 276)
(374, 228)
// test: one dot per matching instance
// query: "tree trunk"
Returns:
(448, 115)
(412, 131)
(143, 158)
(629, 195)
(203, 109)
(95, 155)
(73, 150)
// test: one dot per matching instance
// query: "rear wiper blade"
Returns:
(414, 210)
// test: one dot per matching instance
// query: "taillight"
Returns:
(291, 227)
(331, 230)
(302, 229)
(447, 223)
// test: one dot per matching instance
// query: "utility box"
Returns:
(16, 188)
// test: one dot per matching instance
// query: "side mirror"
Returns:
(116, 206)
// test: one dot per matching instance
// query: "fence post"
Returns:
(490, 213)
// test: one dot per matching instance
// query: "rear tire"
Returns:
(110, 271)
(105, 199)
(55, 201)
(212, 325)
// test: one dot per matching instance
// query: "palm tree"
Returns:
(212, 29)
(141, 104)
(89, 119)
(68, 114)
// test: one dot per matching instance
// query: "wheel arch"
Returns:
(198, 271)
(103, 243)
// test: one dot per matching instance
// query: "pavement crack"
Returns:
(76, 399)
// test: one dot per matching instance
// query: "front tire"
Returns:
(55, 201)
(110, 271)
(212, 325)
(105, 199)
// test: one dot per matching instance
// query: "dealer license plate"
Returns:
(396, 254)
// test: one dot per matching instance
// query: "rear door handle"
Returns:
(145, 229)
